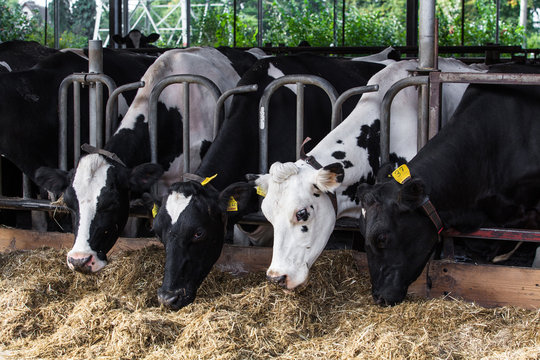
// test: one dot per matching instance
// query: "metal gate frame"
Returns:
(430, 127)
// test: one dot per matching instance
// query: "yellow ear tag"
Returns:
(155, 210)
(233, 205)
(207, 180)
(401, 174)
(260, 191)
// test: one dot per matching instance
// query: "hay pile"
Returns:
(50, 312)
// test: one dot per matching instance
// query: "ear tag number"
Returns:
(260, 191)
(155, 210)
(233, 205)
(401, 174)
(207, 180)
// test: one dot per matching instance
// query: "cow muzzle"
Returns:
(174, 300)
(85, 263)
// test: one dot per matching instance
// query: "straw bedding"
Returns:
(50, 312)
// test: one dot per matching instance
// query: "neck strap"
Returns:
(110, 155)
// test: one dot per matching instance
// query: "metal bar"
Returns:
(499, 234)
(29, 204)
(435, 92)
(259, 23)
(76, 122)
(299, 117)
(219, 115)
(153, 100)
(95, 66)
(265, 101)
(62, 121)
(426, 34)
(111, 110)
(27, 187)
(385, 110)
(486, 78)
(185, 124)
(336, 110)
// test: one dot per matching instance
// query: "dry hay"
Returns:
(51, 312)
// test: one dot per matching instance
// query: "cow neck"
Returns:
(311, 161)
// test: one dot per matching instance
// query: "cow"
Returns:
(28, 110)
(304, 198)
(481, 169)
(16, 55)
(136, 40)
(192, 218)
(98, 191)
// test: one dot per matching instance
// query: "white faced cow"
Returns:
(98, 191)
(297, 201)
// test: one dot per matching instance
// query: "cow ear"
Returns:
(152, 37)
(385, 171)
(237, 200)
(261, 181)
(54, 180)
(330, 177)
(118, 39)
(364, 194)
(143, 176)
(413, 193)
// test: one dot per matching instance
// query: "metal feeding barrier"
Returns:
(428, 127)
(300, 81)
(94, 79)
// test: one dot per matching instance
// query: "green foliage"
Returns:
(480, 24)
(14, 25)
(373, 27)
(84, 17)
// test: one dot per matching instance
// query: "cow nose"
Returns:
(166, 298)
(280, 280)
(80, 263)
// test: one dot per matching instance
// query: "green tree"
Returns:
(84, 17)
(14, 24)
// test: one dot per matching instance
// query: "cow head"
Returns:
(191, 223)
(135, 39)
(97, 193)
(299, 207)
(399, 236)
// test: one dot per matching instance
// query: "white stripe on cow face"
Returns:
(176, 204)
(89, 180)
(275, 73)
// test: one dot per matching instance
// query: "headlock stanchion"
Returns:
(430, 127)
(111, 111)
(218, 115)
(300, 81)
(386, 105)
(185, 80)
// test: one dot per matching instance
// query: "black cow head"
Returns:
(191, 223)
(135, 39)
(97, 193)
(399, 236)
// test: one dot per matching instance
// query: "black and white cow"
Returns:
(29, 115)
(297, 201)
(98, 191)
(19, 55)
(135, 39)
(482, 169)
(192, 218)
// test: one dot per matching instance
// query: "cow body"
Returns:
(482, 169)
(19, 55)
(192, 218)
(99, 190)
(297, 201)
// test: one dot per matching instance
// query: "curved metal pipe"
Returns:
(336, 110)
(219, 115)
(385, 110)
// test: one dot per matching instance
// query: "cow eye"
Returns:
(198, 236)
(302, 215)
(381, 241)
